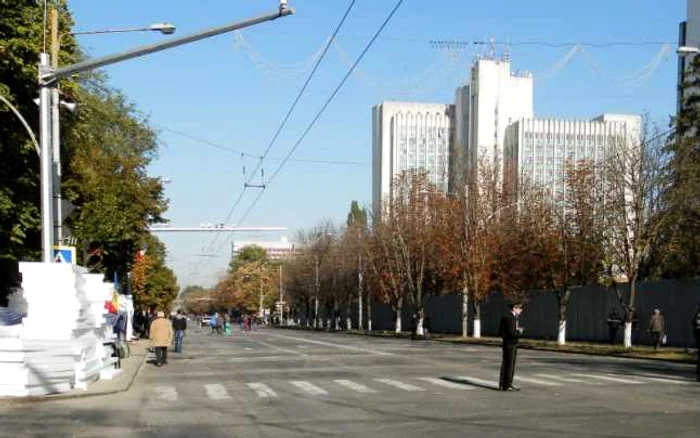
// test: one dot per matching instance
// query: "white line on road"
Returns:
(284, 350)
(537, 381)
(248, 349)
(354, 386)
(566, 379)
(665, 380)
(400, 385)
(608, 378)
(167, 393)
(445, 383)
(262, 390)
(309, 387)
(216, 392)
(340, 346)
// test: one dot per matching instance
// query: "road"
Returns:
(281, 383)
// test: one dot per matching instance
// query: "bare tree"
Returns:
(631, 182)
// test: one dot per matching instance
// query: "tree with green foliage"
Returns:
(247, 254)
(153, 284)
(677, 253)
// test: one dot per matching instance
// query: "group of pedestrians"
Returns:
(163, 333)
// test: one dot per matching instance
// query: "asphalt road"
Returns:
(279, 383)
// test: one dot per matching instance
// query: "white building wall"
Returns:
(537, 150)
(497, 98)
(409, 135)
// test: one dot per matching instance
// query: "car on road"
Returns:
(206, 319)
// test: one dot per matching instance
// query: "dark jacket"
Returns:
(179, 323)
(508, 329)
(696, 322)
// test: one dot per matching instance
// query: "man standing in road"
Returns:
(179, 325)
(161, 337)
(510, 331)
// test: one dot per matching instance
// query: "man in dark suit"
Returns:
(510, 331)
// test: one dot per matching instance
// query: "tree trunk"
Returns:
(477, 319)
(336, 316)
(316, 312)
(397, 324)
(420, 318)
(563, 298)
(348, 315)
(369, 313)
(359, 310)
(465, 312)
(628, 334)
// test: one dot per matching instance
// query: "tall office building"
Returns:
(689, 36)
(538, 149)
(493, 99)
(409, 135)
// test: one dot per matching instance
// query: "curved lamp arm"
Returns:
(24, 122)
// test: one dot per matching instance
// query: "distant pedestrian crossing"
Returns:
(435, 384)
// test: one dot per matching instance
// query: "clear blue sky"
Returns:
(218, 91)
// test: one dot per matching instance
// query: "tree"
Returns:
(631, 188)
(677, 252)
(247, 254)
(153, 285)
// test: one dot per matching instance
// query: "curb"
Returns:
(7, 402)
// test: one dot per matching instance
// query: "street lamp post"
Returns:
(48, 80)
(164, 28)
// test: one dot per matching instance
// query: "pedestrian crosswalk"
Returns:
(436, 384)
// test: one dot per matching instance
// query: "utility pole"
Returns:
(359, 291)
(318, 285)
(55, 133)
(281, 297)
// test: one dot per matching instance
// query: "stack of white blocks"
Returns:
(59, 344)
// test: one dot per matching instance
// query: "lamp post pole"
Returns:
(48, 80)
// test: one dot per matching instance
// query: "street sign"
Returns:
(64, 254)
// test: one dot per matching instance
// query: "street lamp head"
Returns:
(687, 50)
(164, 28)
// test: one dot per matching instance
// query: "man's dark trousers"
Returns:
(161, 355)
(510, 352)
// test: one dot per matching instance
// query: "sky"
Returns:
(217, 103)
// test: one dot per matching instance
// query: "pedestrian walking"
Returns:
(179, 325)
(656, 328)
(213, 321)
(614, 323)
(696, 332)
(161, 335)
(510, 332)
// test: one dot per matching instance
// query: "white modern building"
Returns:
(409, 135)
(538, 149)
(494, 98)
(276, 250)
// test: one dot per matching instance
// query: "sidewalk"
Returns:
(121, 382)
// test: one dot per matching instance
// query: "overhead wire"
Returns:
(287, 115)
(320, 112)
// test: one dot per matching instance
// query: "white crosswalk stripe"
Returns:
(167, 393)
(216, 392)
(445, 383)
(354, 386)
(309, 387)
(262, 390)
(608, 378)
(400, 385)
(536, 381)
(567, 379)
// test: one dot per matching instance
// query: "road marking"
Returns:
(340, 346)
(216, 392)
(284, 350)
(663, 376)
(445, 383)
(537, 381)
(309, 387)
(608, 378)
(665, 380)
(481, 382)
(248, 349)
(262, 390)
(400, 385)
(354, 386)
(167, 393)
(566, 379)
